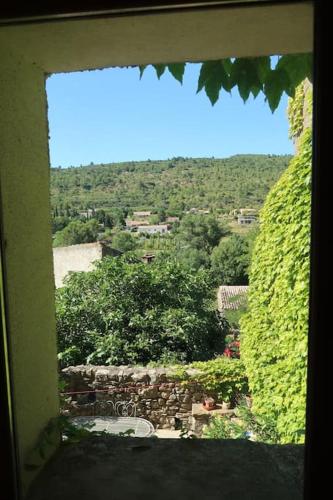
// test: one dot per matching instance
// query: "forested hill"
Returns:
(176, 184)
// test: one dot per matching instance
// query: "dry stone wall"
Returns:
(158, 396)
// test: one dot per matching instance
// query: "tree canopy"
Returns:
(127, 312)
(77, 232)
(230, 261)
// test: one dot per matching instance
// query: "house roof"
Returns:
(142, 214)
(131, 223)
(231, 297)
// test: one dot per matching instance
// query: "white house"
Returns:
(154, 229)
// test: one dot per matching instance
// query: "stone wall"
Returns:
(158, 396)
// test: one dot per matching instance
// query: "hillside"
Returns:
(176, 184)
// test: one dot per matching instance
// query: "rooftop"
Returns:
(231, 297)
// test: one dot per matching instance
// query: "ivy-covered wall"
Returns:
(274, 331)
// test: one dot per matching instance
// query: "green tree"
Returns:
(200, 232)
(193, 259)
(230, 261)
(124, 241)
(118, 216)
(77, 232)
(59, 223)
(127, 312)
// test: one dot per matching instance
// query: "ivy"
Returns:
(223, 376)
(250, 75)
(274, 330)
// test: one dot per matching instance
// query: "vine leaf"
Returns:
(177, 71)
(276, 83)
(298, 67)
(142, 68)
(214, 76)
(244, 74)
(160, 68)
(263, 67)
(251, 75)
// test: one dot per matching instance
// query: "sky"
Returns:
(110, 115)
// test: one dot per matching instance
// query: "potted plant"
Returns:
(209, 403)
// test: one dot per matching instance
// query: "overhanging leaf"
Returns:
(244, 74)
(263, 65)
(297, 66)
(276, 83)
(177, 71)
(141, 69)
(160, 68)
(213, 76)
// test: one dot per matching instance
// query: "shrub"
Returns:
(248, 426)
(274, 331)
(224, 428)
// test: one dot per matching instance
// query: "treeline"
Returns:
(175, 185)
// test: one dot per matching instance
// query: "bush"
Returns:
(125, 312)
(274, 331)
(248, 426)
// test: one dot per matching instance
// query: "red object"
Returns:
(209, 404)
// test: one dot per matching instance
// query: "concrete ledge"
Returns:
(187, 469)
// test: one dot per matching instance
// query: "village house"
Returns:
(231, 296)
(142, 215)
(248, 211)
(243, 211)
(133, 224)
(154, 229)
(246, 219)
(79, 258)
(87, 213)
(171, 220)
(198, 211)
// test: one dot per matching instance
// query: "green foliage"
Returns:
(59, 223)
(224, 428)
(230, 261)
(125, 312)
(192, 258)
(274, 331)
(77, 232)
(214, 76)
(223, 376)
(251, 76)
(175, 185)
(295, 110)
(233, 316)
(124, 241)
(200, 232)
(247, 426)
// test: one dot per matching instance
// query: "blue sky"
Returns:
(111, 115)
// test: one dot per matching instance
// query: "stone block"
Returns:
(165, 394)
(148, 392)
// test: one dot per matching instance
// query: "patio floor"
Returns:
(121, 468)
